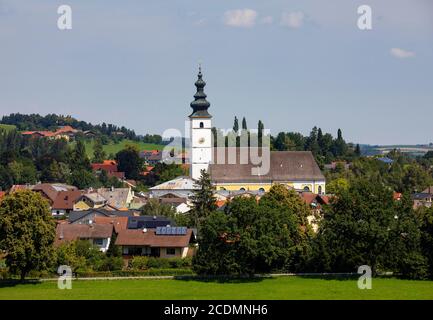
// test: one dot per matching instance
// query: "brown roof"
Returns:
(309, 197)
(428, 190)
(119, 223)
(284, 166)
(66, 199)
(70, 232)
(47, 189)
(137, 237)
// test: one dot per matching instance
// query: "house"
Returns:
(333, 165)
(119, 223)
(422, 199)
(149, 222)
(151, 157)
(118, 198)
(51, 190)
(179, 204)
(98, 234)
(63, 132)
(163, 242)
(315, 202)
(110, 167)
(64, 202)
(2, 195)
(90, 200)
(181, 186)
(89, 216)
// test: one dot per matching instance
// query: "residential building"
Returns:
(97, 234)
(157, 243)
(64, 202)
(89, 216)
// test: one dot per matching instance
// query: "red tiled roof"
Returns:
(134, 237)
(220, 203)
(119, 223)
(310, 197)
(66, 199)
(2, 195)
(70, 232)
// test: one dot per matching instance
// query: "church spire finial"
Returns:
(200, 104)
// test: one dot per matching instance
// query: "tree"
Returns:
(154, 208)
(336, 186)
(27, 232)
(260, 128)
(244, 124)
(426, 228)
(358, 150)
(79, 159)
(364, 225)
(98, 151)
(83, 179)
(251, 237)
(130, 162)
(236, 125)
(203, 200)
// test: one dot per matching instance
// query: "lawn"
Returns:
(7, 127)
(113, 148)
(270, 288)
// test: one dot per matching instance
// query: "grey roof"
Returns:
(284, 166)
(77, 215)
(149, 222)
(421, 196)
(179, 183)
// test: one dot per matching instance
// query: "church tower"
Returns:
(201, 131)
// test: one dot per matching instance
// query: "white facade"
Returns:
(201, 145)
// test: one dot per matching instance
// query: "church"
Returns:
(296, 169)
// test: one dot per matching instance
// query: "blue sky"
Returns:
(292, 64)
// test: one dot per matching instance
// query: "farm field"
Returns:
(269, 289)
(114, 148)
(7, 127)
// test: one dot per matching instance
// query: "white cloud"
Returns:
(401, 54)
(292, 19)
(245, 18)
(267, 20)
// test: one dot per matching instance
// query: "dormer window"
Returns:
(201, 125)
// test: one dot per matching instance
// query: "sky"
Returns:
(292, 64)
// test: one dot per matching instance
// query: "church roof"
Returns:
(284, 166)
(200, 104)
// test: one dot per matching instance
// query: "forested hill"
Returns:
(33, 122)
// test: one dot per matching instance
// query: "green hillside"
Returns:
(113, 148)
(7, 127)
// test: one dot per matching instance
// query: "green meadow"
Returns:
(113, 148)
(268, 288)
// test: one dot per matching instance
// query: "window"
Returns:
(222, 188)
(171, 251)
(262, 190)
(98, 242)
(306, 188)
(201, 125)
(320, 189)
(242, 189)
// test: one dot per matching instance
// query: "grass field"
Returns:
(268, 289)
(114, 148)
(7, 127)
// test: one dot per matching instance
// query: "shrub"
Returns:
(111, 264)
(158, 263)
(138, 263)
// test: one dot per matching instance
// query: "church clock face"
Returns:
(201, 140)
